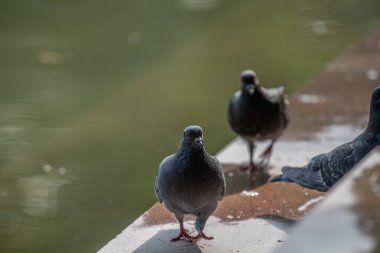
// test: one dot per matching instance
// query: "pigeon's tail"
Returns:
(302, 176)
(289, 174)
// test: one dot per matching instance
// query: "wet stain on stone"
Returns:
(270, 201)
(238, 181)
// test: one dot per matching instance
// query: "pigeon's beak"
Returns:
(198, 141)
(251, 89)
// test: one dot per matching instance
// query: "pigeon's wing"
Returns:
(274, 95)
(307, 177)
(324, 170)
(157, 190)
(165, 164)
(221, 179)
(233, 108)
(283, 101)
(223, 183)
(343, 158)
(278, 106)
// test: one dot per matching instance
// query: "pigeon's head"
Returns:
(193, 137)
(249, 81)
(374, 114)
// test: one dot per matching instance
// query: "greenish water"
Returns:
(93, 94)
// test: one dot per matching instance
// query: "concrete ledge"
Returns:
(348, 220)
(229, 237)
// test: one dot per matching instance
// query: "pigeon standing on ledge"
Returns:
(324, 170)
(256, 114)
(191, 182)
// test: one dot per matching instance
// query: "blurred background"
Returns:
(94, 94)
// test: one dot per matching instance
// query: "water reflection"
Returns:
(134, 38)
(200, 4)
(319, 27)
(54, 57)
(40, 195)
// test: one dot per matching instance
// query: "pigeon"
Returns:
(191, 182)
(256, 113)
(324, 170)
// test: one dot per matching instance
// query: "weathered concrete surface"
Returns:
(259, 234)
(330, 110)
(348, 220)
(292, 151)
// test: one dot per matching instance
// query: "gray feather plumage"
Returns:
(190, 182)
(324, 170)
(258, 116)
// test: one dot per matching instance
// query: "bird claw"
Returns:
(193, 239)
(183, 235)
(248, 168)
(201, 235)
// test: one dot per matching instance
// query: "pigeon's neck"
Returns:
(257, 94)
(373, 123)
(188, 151)
(370, 136)
(188, 158)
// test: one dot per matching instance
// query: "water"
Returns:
(93, 95)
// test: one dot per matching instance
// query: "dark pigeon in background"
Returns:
(324, 170)
(256, 113)
(191, 182)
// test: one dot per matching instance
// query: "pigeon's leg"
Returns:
(182, 231)
(251, 165)
(251, 145)
(266, 155)
(200, 223)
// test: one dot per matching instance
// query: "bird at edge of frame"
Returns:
(324, 170)
(191, 182)
(256, 113)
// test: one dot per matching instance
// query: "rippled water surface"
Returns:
(93, 94)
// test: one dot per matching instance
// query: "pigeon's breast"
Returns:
(255, 119)
(189, 193)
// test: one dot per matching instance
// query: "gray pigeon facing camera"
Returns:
(191, 182)
(324, 170)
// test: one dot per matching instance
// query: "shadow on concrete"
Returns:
(160, 243)
(280, 222)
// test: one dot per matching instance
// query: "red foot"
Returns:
(248, 168)
(182, 234)
(201, 235)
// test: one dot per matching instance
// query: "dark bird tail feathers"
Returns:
(306, 178)
(289, 174)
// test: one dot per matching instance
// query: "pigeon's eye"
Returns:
(187, 136)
